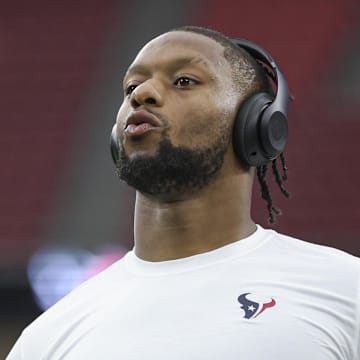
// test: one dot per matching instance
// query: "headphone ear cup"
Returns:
(114, 145)
(247, 141)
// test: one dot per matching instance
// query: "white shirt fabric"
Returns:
(267, 296)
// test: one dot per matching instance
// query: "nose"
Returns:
(146, 93)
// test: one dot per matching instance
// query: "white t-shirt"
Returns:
(267, 296)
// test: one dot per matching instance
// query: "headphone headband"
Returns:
(259, 54)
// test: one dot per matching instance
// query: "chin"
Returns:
(140, 148)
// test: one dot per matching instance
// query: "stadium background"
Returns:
(61, 65)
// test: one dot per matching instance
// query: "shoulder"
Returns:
(319, 264)
(311, 260)
(303, 248)
(74, 315)
(323, 281)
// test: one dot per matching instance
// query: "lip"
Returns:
(140, 122)
(138, 117)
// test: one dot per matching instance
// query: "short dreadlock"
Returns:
(250, 77)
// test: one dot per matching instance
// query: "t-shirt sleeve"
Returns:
(16, 351)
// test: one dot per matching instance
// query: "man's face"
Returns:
(175, 122)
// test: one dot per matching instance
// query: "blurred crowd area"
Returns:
(64, 216)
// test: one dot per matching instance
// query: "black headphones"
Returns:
(260, 128)
(114, 145)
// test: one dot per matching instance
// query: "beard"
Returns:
(173, 169)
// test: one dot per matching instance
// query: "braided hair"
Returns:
(265, 191)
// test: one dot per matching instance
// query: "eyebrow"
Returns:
(181, 62)
(173, 65)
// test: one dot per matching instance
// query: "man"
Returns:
(203, 281)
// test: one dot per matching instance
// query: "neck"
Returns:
(214, 217)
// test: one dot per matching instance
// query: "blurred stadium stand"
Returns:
(61, 65)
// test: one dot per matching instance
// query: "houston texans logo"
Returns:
(253, 308)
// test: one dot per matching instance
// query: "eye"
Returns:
(184, 81)
(130, 89)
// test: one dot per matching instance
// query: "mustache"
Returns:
(164, 119)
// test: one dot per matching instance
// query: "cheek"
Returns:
(198, 126)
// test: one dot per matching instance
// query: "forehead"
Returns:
(176, 45)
